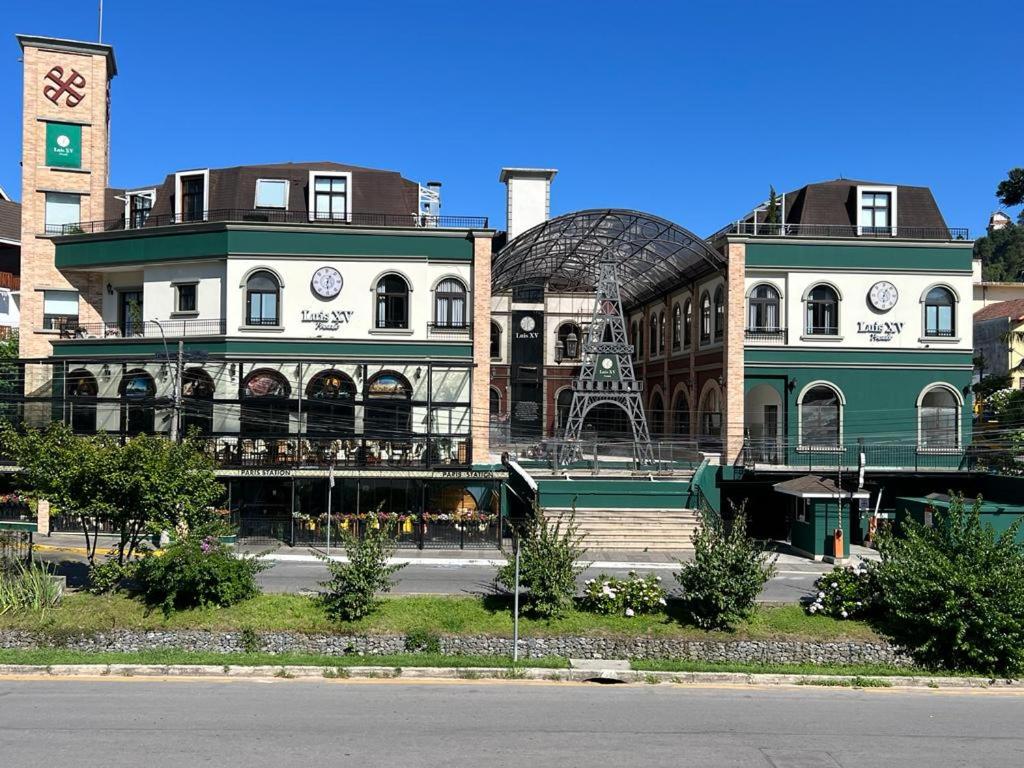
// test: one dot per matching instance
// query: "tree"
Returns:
(1011, 189)
(10, 381)
(771, 215)
(1002, 253)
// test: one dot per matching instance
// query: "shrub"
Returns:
(198, 571)
(111, 575)
(351, 592)
(954, 594)
(28, 588)
(422, 641)
(844, 593)
(728, 571)
(549, 554)
(624, 597)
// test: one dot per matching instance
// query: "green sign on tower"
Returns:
(63, 145)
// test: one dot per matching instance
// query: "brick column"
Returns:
(732, 360)
(480, 411)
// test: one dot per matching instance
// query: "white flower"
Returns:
(813, 608)
(859, 603)
(834, 585)
(611, 593)
(657, 578)
(844, 614)
(590, 581)
(662, 601)
(629, 611)
(821, 595)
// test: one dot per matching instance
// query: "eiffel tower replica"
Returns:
(606, 373)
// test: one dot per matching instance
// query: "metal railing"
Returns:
(231, 452)
(174, 327)
(766, 335)
(769, 452)
(15, 550)
(762, 229)
(597, 455)
(450, 330)
(243, 215)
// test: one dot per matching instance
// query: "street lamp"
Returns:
(572, 345)
(176, 407)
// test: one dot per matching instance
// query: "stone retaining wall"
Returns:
(735, 651)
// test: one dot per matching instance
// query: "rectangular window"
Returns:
(271, 193)
(875, 210)
(63, 213)
(330, 198)
(140, 205)
(185, 297)
(59, 307)
(193, 202)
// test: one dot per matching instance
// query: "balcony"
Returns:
(768, 454)
(290, 452)
(761, 229)
(148, 329)
(263, 216)
(450, 331)
(775, 337)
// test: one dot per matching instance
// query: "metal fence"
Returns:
(15, 549)
(482, 533)
(895, 456)
(605, 455)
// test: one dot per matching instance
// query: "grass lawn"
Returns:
(877, 670)
(83, 613)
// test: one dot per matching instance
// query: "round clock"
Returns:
(527, 323)
(326, 282)
(883, 295)
(607, 363)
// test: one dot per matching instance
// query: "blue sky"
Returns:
(688, 110)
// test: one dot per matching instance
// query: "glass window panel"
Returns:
(60, 302)
(271, 193)
(62, 209)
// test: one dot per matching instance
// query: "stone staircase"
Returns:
(651, 530)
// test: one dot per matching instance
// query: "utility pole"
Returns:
(179, 371)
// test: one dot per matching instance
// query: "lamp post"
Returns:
(572, 345)
(176, 400)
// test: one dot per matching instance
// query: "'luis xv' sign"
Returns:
(327, 320)
(880, 331)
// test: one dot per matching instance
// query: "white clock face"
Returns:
(326, 282)
(883, 295)
(527, 324)
(607, 363)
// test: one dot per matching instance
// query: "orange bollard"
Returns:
(838, 550)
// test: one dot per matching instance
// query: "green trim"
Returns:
(871, 358)
(613, 493)
(826, 257)
(220, 240)
(18, 525)
(73, 348)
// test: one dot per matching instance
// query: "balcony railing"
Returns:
(412, 220)
(775, 336)
(769, 452)
(762, 229)
(148, 329)
(413, 452)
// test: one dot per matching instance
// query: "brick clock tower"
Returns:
(64, 174)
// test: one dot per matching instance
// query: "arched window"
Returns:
(569, 340)
(388, 409)
(820, 417)
(677, 327)
(719, 313)
(687, 323)
(450, 304)
(330, 404)
(654, 335)
(495, 341)
(81, 390)
(265, 404)
(563, 402)
(939, 419)
(138, 407)
(392, 302)
(711, 415)
(763, 310)
(262, 299)
(196, 402)
(661, 331)
(681, 415)
(640, 340)
(494, 402)
(657, 415)
(822, 311)
(939, 313)
(705, 319)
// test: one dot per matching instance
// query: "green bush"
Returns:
(549, 554)
(624, 597)
(197, 571)
(28, 588)
(954, 594)
(843, 593)
(111, 575)
(351, 592)
(728, 571)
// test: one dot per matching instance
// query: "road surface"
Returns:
(109, 723)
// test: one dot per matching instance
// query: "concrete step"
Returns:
(635, 528)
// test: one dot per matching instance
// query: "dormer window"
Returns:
(138, 206)
(271, 193)
(192, 195)
(876, 214)
(329, 196)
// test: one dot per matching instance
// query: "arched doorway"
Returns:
(197, 390)
(265, 404)
(681, 415)
(657, 415)
(762, 423)
(388, 409)
(710, 418)
(81, 390)
(607, 421)
(330, 405)
(138, 407)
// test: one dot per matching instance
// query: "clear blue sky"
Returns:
(688, 109)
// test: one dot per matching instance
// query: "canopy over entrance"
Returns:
(564, 253)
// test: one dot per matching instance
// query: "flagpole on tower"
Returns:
(100, 35)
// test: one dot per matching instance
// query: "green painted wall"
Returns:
(221, 240)
(786, 356)
(815, 536)
(706, 478)
(269, 347)
(999, 516)
(614, 493)
(859, 256)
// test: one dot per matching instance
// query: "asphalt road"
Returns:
(175, 723)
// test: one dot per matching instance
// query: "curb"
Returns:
(288, 672)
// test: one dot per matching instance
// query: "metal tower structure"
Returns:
(606, 374)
